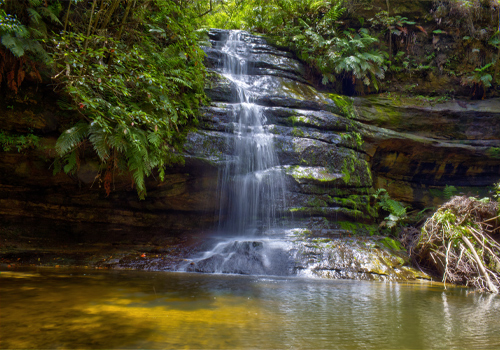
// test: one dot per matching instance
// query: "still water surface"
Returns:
(50, 309)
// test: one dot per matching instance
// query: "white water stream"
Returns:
(252, 186)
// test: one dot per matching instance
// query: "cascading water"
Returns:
(253, 181)
(254, 185)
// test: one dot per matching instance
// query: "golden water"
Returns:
(82, 309)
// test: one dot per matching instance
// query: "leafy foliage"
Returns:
(396, 210)
(132, 71)
(136, 100)
(449, 191)
(19, 142)
(20, 38)
(480, 79)
(311, 28)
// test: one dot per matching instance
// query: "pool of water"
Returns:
(82, 309)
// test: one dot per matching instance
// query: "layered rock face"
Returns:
(335, 149)
(327, 172)
(417, 147)
(29, 189)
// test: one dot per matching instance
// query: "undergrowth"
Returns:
(460, 243)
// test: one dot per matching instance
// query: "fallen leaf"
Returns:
(421, 29)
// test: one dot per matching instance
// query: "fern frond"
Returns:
(154, 138)
(137, 167)
(71, 138)
(40, 32)
(48, 12)
(35, 3)
(179, 81)
(117, 139)
(98, 137)
(34, 15)
(72, 164)
(14, 44)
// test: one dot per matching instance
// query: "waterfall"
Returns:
(253, 181)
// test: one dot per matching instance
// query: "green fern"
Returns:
(35, 17)
(139, 102)
(396, 210)
(14, 44)
(98, 137)
(449, 191)
(71, 138)
(139, 168)
(71, 162)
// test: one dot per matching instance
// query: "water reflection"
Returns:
(124, 309)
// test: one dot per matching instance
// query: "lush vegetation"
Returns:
(354, 44)
(132, 71)
(314, 31)
(20, 143)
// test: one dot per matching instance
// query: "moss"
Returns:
(302, 232)
(358, 228)
(297, 132)
(299, 120)
(321, 240)
(391, 244)
(299, 91)
(352, 214)
(275, 131)
(316, 203)
(314, 174)
(345, 104)
(352, 168)
(494, 152)
(357, 202)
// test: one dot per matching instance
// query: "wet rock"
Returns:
(245, 258)
(347, 258)
(221, 89)
(326, 254)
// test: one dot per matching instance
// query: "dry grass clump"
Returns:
(460, 241)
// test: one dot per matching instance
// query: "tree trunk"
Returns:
(90, 26)
(390, 32)
(127, 10)
(67, 16)
(109, 13)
